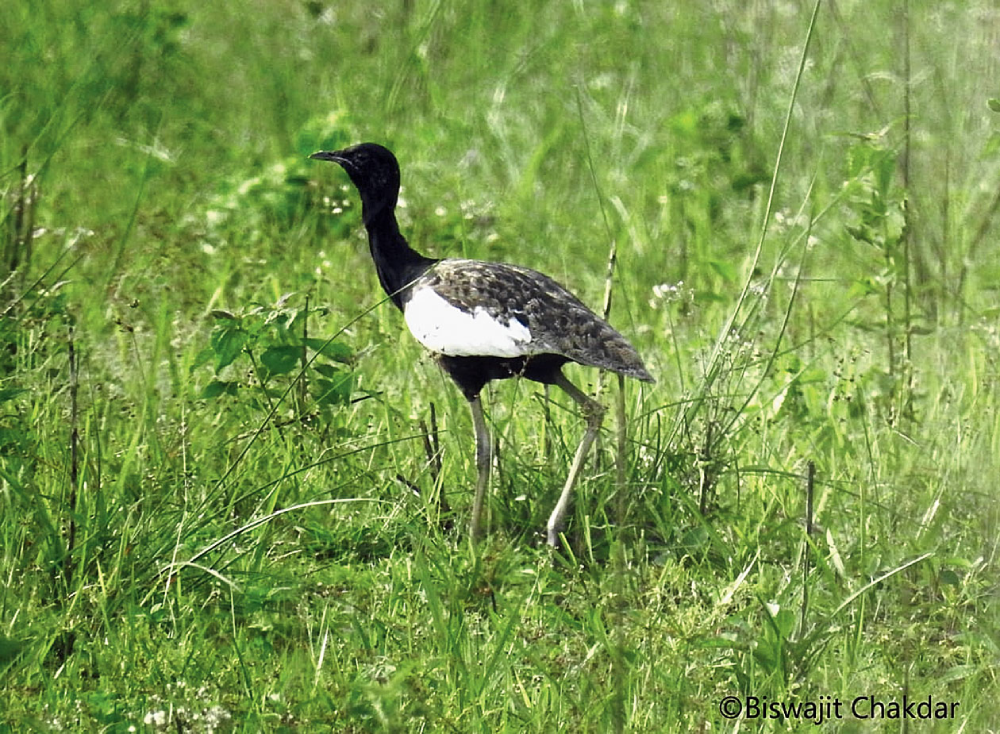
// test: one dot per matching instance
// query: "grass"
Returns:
(222, 460)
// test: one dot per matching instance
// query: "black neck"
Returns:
(396, 263)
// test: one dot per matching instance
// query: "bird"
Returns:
(485, 321)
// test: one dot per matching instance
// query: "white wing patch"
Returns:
(446, 329)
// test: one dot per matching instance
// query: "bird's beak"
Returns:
(329, 155)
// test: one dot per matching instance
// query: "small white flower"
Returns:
(155, 718)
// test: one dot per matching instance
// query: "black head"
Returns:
(374, 172)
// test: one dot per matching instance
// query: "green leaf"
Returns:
(947, 576)
(992, 144)
(784, 620)
(202, 358)
(9, 393)
(281, 360)
(217, 387)
(227, 342)
(334, 392)
(10, 648)
(333, 350)
(295, 324)
(994, 104)
(884, 167)
(327, 370)
(862, 287)
(858, 160)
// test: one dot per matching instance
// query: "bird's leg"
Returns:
(547, 434)
(593, 413)
(484, 457)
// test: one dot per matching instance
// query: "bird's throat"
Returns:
(396, 263)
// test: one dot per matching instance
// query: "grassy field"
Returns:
(234, 491)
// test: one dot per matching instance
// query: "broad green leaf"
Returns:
(217, 387)
(202, 358)
(281, 360)
(333, 350)
(227, 342)
(329, 371)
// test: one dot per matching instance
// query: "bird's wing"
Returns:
(536, 314)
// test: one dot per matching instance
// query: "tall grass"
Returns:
(232, 489)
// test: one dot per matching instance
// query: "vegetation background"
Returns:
(233, 489)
